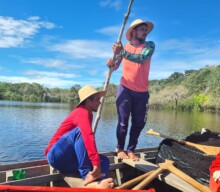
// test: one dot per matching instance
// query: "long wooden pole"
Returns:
(148, 179)
(134, 181)
(169, 166)
(98, 115)
(209, 150)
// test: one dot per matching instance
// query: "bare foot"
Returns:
(90, 178)
(106, 184)
(103, 184)
(121, 154)
(132, 156)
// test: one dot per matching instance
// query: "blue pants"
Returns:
(69, 155)
(134, 103)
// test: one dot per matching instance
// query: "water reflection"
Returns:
(26, 127)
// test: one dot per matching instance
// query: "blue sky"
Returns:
(61, 43)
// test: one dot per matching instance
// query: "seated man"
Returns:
(72, 149)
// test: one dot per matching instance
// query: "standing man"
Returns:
(132, 95)
(72, 149)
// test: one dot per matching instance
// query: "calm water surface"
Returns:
(26, 128)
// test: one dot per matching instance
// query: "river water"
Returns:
(26, 128)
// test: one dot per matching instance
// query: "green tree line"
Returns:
(37, 93)
(192, 90)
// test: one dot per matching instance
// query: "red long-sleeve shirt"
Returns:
(82, 118)
(215, 164)
(214, 185)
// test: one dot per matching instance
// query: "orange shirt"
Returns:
(135, 75)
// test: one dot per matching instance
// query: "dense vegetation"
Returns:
(37, 93)
(192, 90)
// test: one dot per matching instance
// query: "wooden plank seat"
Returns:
(168, 178)
(75, 180)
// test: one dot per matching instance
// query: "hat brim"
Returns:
(102, 93)
(150, 26)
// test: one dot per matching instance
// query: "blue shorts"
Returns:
(69, 155)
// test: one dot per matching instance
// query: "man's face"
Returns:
(95, 102)
(140, 33)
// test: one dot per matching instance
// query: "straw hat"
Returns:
(137, 22)
(88, 91)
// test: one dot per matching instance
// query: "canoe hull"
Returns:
(40, 176)
(58, 189)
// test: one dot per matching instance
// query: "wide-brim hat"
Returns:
(137, 22)
(88, 91)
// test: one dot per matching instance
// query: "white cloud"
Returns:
(45, 81)
(13, 33)
(159, 74)
(6, 42)
(179, 55)
(190, 47)
(51, 63)
(33, 18)
(50, 81)
(84, 49)
(110, 31)
(41, 74)
(93, 72)
(111, 3)
(105, 73)
(161, 69)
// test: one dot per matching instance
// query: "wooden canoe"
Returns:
(7, 188)
(40, 173)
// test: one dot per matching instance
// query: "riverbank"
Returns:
(193, 90)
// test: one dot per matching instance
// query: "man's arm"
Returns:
(114, 64)
(146, 53)
(84, 123)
